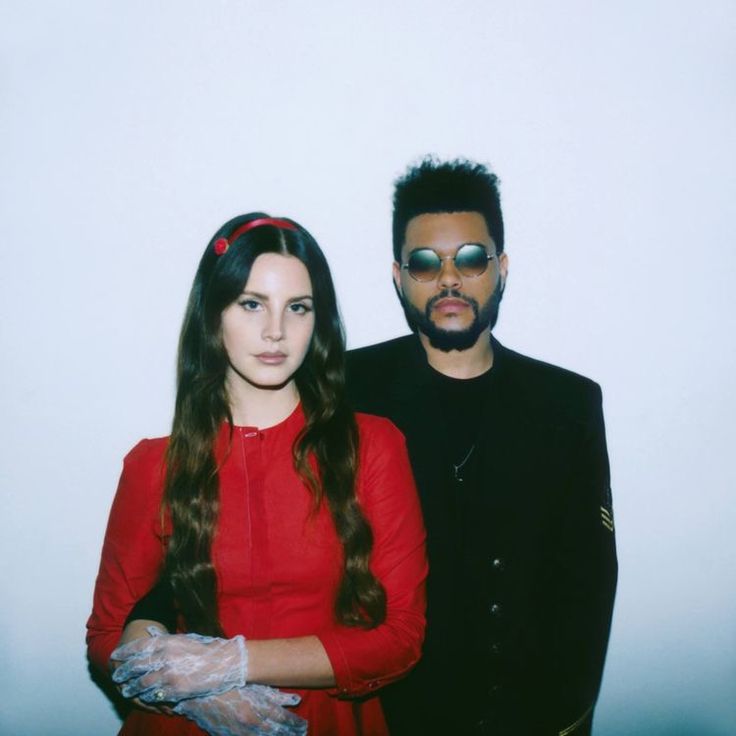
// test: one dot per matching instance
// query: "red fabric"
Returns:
(278, 565)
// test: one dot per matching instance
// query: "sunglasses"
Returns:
(470, 259)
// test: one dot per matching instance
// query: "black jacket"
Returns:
(523, 568)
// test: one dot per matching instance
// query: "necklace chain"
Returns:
(457, 468)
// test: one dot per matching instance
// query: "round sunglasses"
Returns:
(470, 259)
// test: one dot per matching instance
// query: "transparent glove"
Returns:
(249, 711)
(166, 668)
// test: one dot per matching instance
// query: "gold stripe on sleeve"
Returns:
(573, 727)
(607, 518)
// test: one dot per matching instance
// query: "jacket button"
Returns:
(497, 564)
(495, 609)
(495, 648)
(494, 691)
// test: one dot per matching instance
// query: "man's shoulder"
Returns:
(392, 354)
(382, 358)
(381, 350)
(378, 372)
(543, 388)
(544, 385)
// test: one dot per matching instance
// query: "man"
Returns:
(510, 459)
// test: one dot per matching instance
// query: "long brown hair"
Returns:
(330, 435)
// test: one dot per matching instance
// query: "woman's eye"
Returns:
(300, 308)
(250, 305)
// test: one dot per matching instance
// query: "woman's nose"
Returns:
(274, 328)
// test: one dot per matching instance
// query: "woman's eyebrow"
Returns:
(248, 292)
(265, 297)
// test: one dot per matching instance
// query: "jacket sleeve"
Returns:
(156, 605)
(585, 574)
(132, 551)
(366, 659)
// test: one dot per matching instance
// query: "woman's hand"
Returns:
(167, 668)
(140, 628)
(253, 710)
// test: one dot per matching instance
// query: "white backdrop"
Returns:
(131, 131)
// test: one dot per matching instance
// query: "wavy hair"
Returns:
(328, 442)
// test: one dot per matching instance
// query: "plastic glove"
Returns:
(249, 711)
(166, 668)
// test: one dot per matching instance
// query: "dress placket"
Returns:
(255, 450)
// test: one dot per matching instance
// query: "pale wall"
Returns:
(130, 131)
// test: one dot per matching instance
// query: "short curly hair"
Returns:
(434, 186)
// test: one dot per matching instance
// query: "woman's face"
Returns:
(267, 330)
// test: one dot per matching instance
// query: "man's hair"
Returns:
(435, 186)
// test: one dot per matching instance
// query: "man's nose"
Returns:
(449, 277)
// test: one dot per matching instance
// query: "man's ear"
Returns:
(503, 268)
(396, 271)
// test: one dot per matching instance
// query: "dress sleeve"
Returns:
(366, 659)
(132, 551)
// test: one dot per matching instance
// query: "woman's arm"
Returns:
(355, 660)
(132, 551)
(365, 660)
(297, 662)
(161, 668)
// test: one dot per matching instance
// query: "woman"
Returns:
(287, 528)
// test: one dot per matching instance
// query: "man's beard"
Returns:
(446, 340)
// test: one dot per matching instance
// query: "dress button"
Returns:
(497, 564)
(495, 648)
(495, 609)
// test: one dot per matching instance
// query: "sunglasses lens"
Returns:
(424, 265)
(471, 260)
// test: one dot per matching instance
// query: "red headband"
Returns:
(222, 244)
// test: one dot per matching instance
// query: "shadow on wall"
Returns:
(666, 725)
(120, 705)
(671, 724)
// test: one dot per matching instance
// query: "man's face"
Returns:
(452, 309)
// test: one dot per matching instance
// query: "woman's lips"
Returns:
(271, 358)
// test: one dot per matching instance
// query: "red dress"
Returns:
(278, 566)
